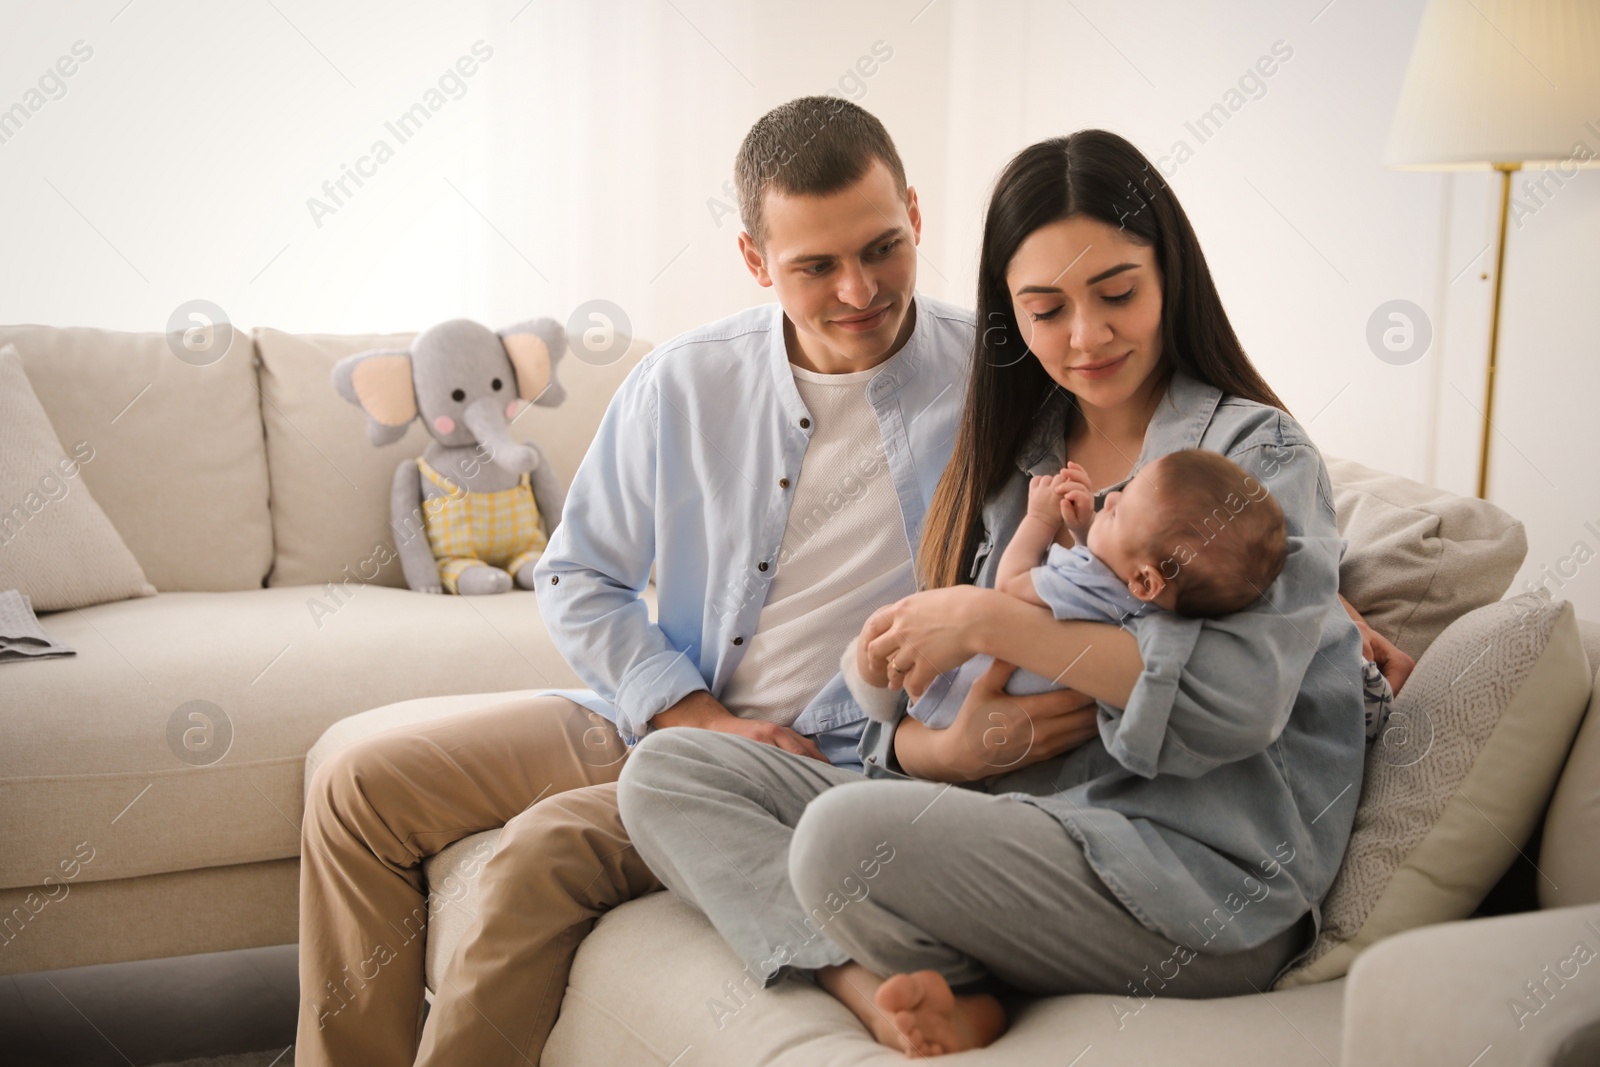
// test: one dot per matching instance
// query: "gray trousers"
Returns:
(799, 865)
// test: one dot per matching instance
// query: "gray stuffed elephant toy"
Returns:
(474, 512)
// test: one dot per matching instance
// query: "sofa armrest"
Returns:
(1482, 992)
(1567, 854)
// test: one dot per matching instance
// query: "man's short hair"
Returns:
(812, 146)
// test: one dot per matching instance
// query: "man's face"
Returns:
(844, 267)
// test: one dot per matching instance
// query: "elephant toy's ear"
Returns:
(535, 348)
(379, 382)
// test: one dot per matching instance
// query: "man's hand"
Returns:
(703, 710)
(1392, 663)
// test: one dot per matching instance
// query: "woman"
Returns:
(1184, 848)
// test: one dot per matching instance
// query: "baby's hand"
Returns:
(880, 679)
(1077, 500)
(1044, 499)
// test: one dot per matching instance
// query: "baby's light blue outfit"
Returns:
(1076, 584)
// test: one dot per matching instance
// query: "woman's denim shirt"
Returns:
(1217, 805)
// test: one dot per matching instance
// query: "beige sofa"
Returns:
(249, 495)
(644, 981)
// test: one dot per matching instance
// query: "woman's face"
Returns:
(1088, 300)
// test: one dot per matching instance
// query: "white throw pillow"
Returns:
(56, 545)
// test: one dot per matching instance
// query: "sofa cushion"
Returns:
(1455, 785)
(1567, 852)
(1419, 558)
(330, 486)
(56, 545)
(177, 737)
(652, 981)
(654, 984)
(655, 980)
(179, 466)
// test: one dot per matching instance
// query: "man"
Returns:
(774, 468)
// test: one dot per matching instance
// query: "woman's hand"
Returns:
(919, 637)
(1392, 663)
(995, 732)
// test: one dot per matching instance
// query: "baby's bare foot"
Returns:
(933, 1021)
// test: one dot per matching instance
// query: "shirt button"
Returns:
(783, 483)
(761, 566)
(738, 640)
(555, 579)
(805, 424)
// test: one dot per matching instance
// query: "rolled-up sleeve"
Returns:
(590, 580)
(1214, 691)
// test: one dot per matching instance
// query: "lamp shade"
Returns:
(1500, 81)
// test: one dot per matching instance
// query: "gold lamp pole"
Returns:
(1506, 170)
(1500, 84)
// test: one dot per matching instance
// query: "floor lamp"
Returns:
(1502, 85)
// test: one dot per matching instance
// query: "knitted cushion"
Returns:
(1456, 783)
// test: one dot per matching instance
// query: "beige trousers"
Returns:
(546, 770)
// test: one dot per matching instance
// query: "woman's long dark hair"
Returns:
(1090, 173)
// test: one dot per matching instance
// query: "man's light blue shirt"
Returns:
(693, 470)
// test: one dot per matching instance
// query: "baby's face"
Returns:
(1123, 525)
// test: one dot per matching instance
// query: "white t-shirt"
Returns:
(844, 554)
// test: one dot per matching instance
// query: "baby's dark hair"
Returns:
(1221, 539)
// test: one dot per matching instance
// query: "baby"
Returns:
(1191, 533)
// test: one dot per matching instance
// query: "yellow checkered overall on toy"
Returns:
(465, 529)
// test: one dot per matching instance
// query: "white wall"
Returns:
(587, 158)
